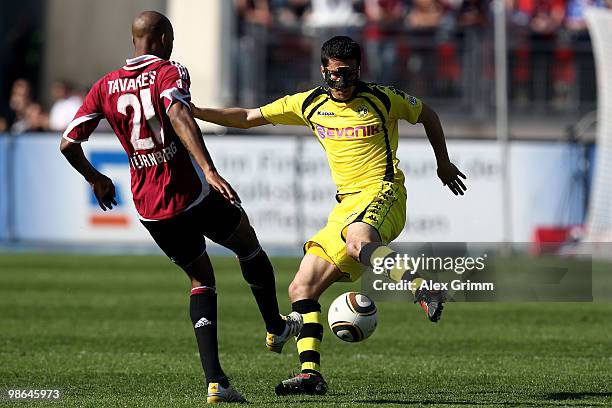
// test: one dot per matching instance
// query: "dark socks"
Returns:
(259, 274)
(203, 312)
(310, 337)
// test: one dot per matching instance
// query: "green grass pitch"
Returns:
(114, 331)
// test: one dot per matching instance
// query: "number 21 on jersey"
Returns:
(138, 105)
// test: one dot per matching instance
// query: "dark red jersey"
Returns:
(135, 100)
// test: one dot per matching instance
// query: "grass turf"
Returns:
(114, 331)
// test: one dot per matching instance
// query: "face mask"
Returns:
(343, 78)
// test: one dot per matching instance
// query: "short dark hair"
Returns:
(340, 47)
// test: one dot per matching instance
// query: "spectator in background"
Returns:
(448, 66)
(20, 99)
(21, 45)
(36, 120)
(548, 16)
(383, 26)
(473, 18)
(546, 24)
(334, 13)
(575, 21)
(424, 22)
(472, 13)
(253, 12)
(424, 14)
(65, 105)
(29, 116)
(565, 72)
(520, 13)
(290, 12)
(253, 19)
(541, 21)
(450, 11)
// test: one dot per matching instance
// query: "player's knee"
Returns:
(201, 278)
(200, 271)
(244, 240)
(195, 283)
(245, 231)
(298, 290)
(292, 290)
(352, 249)
(257, 269)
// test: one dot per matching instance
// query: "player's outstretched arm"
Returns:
(447, 171)
(188, 131)
(102, 186)
(230, 117)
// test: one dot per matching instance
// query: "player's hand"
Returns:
(451, 177)
(222, 186)
(104, 190)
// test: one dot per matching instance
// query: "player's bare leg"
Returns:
(359, 233)
(203, 313)
(363, 243)
(314, 276)
(259, 274)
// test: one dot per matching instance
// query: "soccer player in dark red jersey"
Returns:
(147, 103)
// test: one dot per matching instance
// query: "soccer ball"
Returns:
(352, 317)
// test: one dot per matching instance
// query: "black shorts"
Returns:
(182, 236)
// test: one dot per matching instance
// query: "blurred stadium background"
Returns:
(525, 99)
(522, 129)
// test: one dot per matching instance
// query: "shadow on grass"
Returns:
(430, 402)
(561, 396)
(466, 403)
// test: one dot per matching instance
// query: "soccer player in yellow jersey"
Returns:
(357, 125)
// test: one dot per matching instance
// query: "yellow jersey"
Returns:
(360, 135)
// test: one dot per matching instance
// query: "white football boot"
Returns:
(218, 394)
(294, 322)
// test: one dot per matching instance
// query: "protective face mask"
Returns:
(343, 78)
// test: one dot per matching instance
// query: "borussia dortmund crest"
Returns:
(362, 111)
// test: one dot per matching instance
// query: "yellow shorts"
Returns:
(383, 206)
